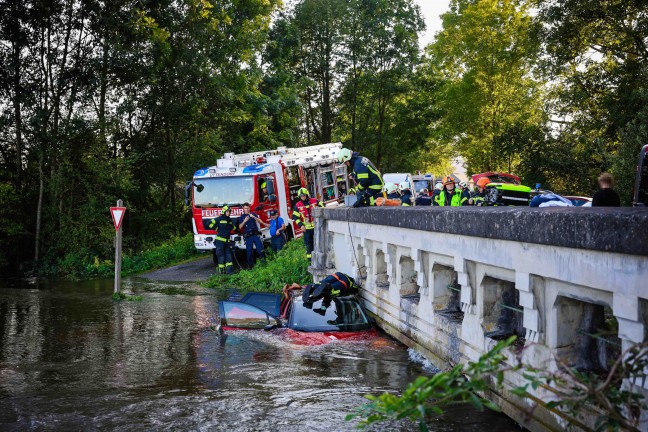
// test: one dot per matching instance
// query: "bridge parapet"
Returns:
(450, 282)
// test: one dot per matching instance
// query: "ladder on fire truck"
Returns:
(306, 156)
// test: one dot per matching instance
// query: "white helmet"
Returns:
(438, 186)
(403, 186)
(389, 187)
(344, 155)
(463, 185)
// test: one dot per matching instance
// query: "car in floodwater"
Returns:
(302, 323)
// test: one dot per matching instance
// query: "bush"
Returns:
(287, 266)
(84, 265)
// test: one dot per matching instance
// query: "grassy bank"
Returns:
(287, 266)
(82, 265)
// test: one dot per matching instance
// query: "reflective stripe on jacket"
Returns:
(303, 212)
(366, 174)
(442, 199)
(223, 225)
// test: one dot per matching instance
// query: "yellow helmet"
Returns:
(303, 191)
(226, 208)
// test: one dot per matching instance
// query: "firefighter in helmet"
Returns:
(449, 195)
(370, 182)
(223, 225)
(303, 217)
(465, 193)
(391, 190)
(480, 198)
(336, 285)
(406, 193)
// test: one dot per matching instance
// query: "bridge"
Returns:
(450, 282)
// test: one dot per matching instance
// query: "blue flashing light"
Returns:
(254, 168)
(201, 172)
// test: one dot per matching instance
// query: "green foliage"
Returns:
(83, 264)
(11, 228)
(288, 266)
(426, 396)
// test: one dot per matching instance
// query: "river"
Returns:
(71, 358)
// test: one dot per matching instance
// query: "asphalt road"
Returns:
(192, 271)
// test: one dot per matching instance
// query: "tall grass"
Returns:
(288, 266)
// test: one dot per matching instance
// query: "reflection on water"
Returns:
(71, 358)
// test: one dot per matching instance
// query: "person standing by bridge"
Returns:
(248, 223)
(370, 182)
(303, 216)
(449, 195)
(606, 196)
(223, 226)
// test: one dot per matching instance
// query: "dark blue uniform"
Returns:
(252, 237)
(369, 180)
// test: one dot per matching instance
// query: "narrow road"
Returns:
(193, 271)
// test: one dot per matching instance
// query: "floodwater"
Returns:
(71, 358)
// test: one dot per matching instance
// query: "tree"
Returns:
(596, 53)
(485, 57)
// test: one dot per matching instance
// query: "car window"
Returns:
(243, 315)
(269, 302)
(343, 314)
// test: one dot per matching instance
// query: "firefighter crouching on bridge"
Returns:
(223, 226)
(248, 224)
(370, 182)
(303, 216)
(449, 196)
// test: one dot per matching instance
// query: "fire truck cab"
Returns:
(267, 180)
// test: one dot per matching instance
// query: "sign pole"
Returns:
(118, 217)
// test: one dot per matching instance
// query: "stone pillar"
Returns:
(321, 260)
(466, 295)
(531, 316)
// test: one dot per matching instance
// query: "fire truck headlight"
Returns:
(196, 238)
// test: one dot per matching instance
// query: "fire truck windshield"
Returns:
(218, 191)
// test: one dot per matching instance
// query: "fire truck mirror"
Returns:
(199, 187)
(272, 197)
(270, 187)
(258, 208)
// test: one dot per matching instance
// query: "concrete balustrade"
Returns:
(450, 282)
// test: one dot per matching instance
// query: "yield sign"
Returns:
(117, 216)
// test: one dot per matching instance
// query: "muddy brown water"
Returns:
(71, 358)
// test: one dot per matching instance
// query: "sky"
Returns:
(431, 9)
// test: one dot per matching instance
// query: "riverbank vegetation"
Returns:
(270, 275)
(121, 100)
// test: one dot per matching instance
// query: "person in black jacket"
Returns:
(606, 196)
(223, 226)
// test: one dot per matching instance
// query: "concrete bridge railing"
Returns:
(450, 282)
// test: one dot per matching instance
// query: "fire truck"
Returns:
(267, 180)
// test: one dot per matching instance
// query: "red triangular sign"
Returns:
(117, 216)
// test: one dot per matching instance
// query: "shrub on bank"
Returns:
(82, 265)
(287, 266)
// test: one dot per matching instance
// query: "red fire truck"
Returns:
(268, 180)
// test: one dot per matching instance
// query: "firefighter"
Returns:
(438, 186)
(336, 285)
(303, 216)
(370, 182)
(480, 198)
(449, 196)
(423, 199)
(391, 190)
(223, 226)
(248, 223)
(406, 194)
(465, 193)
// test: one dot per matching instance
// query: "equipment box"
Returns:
(349, 200)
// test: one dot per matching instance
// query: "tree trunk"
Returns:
(17, 99)
(39, 207)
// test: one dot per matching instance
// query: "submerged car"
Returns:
(304, 323)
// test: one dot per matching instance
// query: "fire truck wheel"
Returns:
(289, 233)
